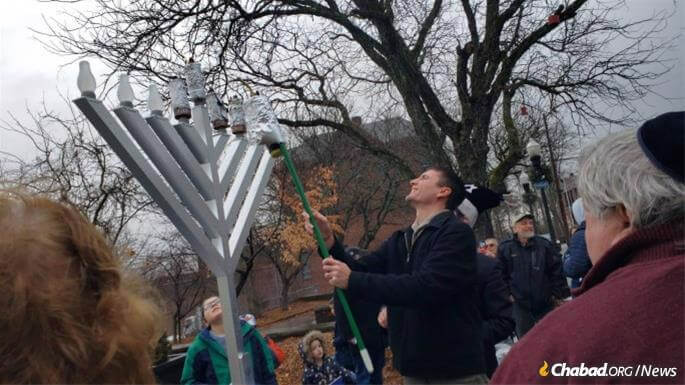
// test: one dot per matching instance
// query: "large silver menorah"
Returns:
(207, 180)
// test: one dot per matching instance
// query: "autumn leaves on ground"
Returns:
(290, 371)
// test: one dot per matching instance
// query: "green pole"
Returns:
(324, 251)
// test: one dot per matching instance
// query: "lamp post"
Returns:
(540, 182)
(529, 195)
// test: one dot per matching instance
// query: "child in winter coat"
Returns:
(206, 361)
(320, 369)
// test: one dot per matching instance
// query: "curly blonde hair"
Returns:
(69, 314)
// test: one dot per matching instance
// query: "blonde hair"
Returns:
(69, 314)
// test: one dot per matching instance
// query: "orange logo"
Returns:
(543, 369)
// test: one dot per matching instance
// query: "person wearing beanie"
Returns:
(426, 275)
(319, 368)
(576, 260)
(477, 200)
(629, 310)
(532, 269)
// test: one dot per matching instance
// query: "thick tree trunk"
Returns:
(471, 151)
(471, 145)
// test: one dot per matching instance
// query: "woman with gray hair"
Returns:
(627, 320)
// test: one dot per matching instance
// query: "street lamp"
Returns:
(525, 181)
(540, 182)
(528, 195)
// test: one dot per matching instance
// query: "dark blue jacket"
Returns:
(495, 308)
(431, 292)
(533, 272)
(325, 374)
(206, 361)
(576, 260)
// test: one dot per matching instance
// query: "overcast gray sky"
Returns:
(29, 74)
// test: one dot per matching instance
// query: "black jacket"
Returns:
(431, 293)
(533, 272)
(495, 308)
(366, 316)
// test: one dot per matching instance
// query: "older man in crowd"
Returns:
(532, 268)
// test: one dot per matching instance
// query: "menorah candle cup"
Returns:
(237, 114)
(217, 115)
(262, 124)
(195, 82)
(179, 99)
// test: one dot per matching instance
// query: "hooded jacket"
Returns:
(328, 372)
(206, 361)
(533, 272)
(576, 260)
(430, 289)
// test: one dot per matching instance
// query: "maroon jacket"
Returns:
(629, 312)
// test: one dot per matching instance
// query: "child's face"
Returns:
(212, 309)
(316, 350)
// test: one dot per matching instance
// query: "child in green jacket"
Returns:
(207, 361)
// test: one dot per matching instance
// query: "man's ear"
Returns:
(445, 191)
(624, 215)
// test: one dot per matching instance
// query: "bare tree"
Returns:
(74, 165)
(446, 65)
(255, 245)
(179, 275)
(288, 272)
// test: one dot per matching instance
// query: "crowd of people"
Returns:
(439, 300)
